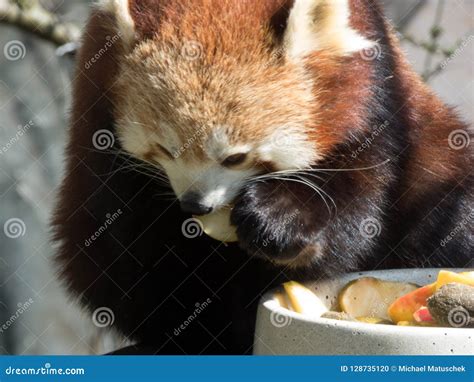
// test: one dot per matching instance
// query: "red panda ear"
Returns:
(321, 25)
(123, 19)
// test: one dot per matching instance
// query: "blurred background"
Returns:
(37, 44)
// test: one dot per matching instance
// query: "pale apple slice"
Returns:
(303, 300)
(371, 297)
(217, 225)
(282, 299)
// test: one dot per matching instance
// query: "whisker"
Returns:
(353, 169)
(302, 174)
(145, 170)
(321, 191)
(306, 183)
(310, 170)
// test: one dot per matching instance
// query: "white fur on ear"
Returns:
(322, 25)
(125, 24)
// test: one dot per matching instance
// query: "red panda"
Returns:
(303, 116)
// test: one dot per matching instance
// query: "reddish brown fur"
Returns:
(341, 86)
(91, 111)
(174, 19)
(227, 85)
(432, 122)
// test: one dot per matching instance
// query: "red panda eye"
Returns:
(234, 160)
(164, 151)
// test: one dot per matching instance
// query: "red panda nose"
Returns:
(192, 203)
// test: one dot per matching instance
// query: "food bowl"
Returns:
(281, 331)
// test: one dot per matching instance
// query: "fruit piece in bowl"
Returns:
(337, 333)
(302, 300)
(405, 307)
(371, 297)
(376, 301)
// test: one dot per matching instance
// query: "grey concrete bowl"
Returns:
(280, 331)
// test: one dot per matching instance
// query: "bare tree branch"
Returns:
(435, 33)
(410, 14)
(32, 17)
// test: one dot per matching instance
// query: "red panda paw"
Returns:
(269, 222)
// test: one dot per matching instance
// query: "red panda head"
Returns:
(217, 91)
